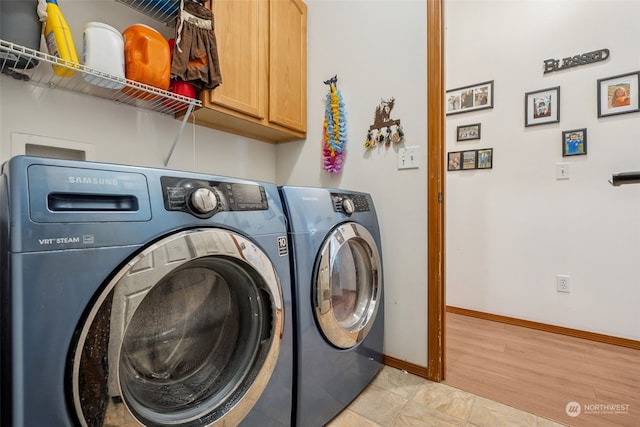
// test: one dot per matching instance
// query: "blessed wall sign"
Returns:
(551, 65)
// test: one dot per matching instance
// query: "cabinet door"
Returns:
(288, 64)
(241, 29)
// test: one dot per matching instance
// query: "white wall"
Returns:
(378, 50)
(122, 133)
(512, 229)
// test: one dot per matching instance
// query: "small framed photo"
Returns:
(470, 98)
(542, 106)
(574, 142)
(485, 158)
(469, 159)
(454, 161)
(619, 94)
(468, 132)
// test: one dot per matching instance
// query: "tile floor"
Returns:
(399, 399)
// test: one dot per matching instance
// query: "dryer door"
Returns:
(348, 285)
(186, 333)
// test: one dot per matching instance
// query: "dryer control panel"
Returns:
(205, 198)
(350, 203)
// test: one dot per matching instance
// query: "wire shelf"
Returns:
(37, 67)
(164, 11)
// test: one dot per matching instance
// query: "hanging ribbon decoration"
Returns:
(334, 127)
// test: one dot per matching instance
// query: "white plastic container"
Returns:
(103, 51)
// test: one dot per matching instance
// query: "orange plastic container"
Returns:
(147, 59)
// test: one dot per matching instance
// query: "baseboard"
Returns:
(403, 365)
(592, 336)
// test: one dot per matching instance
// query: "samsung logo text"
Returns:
(92, 180)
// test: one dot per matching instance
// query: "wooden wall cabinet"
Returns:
(262, 48)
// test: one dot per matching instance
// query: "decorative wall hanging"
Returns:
(470, 98)
(470, 159)
(384, 130)
(334, 136)
(574, 142)
(551, 65)
(619, 94)
(468, 132)
(542, 106)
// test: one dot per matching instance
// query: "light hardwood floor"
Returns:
(541, 372)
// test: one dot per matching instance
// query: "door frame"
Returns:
(435, 193)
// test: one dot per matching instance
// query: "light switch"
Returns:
(408, 158)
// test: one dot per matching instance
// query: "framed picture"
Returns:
(542, 106)
(485, 158)
(454, 161)
(574, 142)
(618, 94)
(468, 132)
(469, 159)
(470, 98)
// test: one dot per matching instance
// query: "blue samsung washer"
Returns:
(338, 298)
(143, 296)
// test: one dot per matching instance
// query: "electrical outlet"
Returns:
(562, 283)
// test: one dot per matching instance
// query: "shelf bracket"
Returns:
(182, 125)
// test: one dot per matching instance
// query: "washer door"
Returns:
(348, 285)
(186, 333)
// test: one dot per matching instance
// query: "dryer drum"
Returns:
(187, 333)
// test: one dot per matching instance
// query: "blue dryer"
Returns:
(338, 298)
(142, 296)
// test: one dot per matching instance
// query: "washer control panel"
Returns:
(350, 203)
(205, 198)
